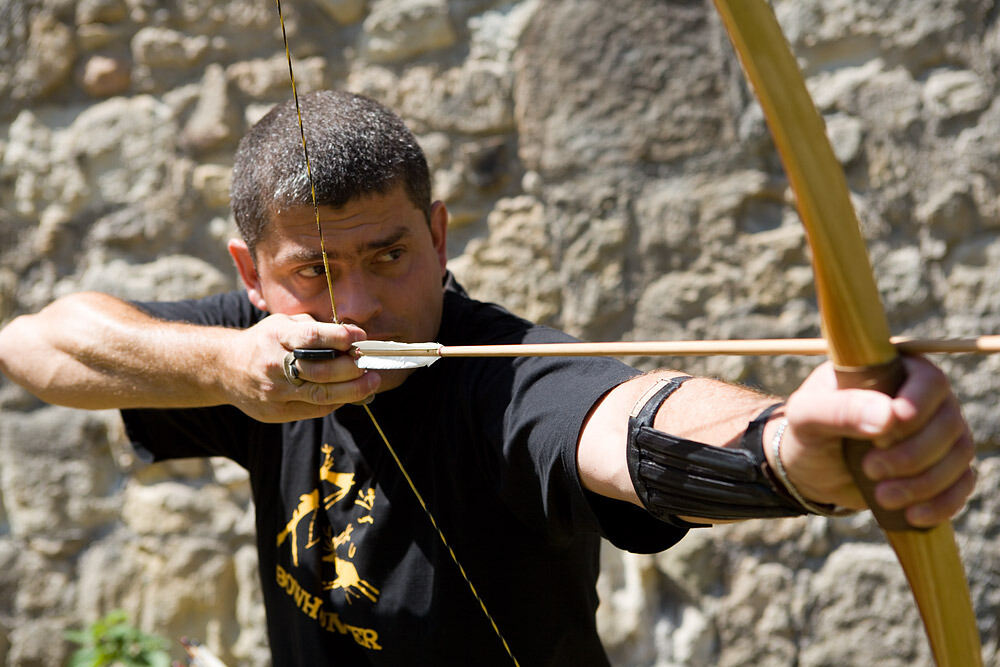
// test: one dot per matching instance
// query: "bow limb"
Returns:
(854, 321)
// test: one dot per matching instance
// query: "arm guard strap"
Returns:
(677, 477)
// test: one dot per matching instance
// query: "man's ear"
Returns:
(243, 259)
(439, 232)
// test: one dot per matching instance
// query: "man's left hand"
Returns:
(921, 461)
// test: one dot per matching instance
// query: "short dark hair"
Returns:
(356, 147)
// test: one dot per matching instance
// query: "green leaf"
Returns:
(112, 640)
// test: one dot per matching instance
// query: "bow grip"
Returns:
(886, 378)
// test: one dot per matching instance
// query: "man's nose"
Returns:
(356, 299)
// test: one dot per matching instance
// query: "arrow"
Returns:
(389, 355)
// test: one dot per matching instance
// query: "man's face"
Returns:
(386, 264)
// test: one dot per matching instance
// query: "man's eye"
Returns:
(389, 255)
(312, 271)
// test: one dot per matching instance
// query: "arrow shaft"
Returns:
(750, 347)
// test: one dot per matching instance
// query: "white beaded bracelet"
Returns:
(822, 510)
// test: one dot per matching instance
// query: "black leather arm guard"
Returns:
(677, 477)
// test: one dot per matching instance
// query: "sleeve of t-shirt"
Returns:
(161, 434)
(544, 403)
(552, 401)
(230, 309)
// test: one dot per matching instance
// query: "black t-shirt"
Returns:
(353, 573)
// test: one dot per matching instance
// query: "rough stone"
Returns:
(104, 76)
(212, 182)
(94, 36)
(343, 11)
(571, 100)
(119, 147)
(214, 121)
(161, 47)
(250, 646)
(950, 93)
(54, 590)
(694, 564)
(517, 234)
(919, 31)
(55, 484)
(860, 592)
(169, 599)
(26, 155)
(472, 99)
(168, 508)
(268, 78)
(950, 211)
(100, 11)
(760, 601)
(846, 134)
(8, 297)
(170, 277)
(399, 29)
(495, 34)
(38, 642)
(48, 60)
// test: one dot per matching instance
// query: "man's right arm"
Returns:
(95, 351)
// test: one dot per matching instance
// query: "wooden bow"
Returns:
(852, 315)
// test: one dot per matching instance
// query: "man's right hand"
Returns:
(256, 382)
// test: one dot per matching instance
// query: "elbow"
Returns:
(13, 363)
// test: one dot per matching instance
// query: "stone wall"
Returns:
(608, 173)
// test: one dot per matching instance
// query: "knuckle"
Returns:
(319, 393)
(903, 462)
(311, 335)
(924, 487)
(952, 410)
(851, 411)
(968, 482)
(965, 449)
(917, 364)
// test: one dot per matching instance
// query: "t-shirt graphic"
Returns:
(339, 550)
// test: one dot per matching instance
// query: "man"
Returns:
(523, 463)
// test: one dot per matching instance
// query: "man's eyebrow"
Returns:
(308, 256)
(302, 256)
(393, 236)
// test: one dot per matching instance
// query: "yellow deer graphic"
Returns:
(309, 502)
(343, 481)
(347, 579)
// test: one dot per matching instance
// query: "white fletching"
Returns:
(387, 355)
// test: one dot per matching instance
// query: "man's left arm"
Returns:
(921, 462)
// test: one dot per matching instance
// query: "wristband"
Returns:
(786, 482)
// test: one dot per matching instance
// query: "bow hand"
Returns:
(921, 462)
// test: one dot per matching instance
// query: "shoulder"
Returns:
(231, 309)
(466, 321)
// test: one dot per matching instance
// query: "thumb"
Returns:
(841, 413)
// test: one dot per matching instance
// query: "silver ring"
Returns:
(292, 370)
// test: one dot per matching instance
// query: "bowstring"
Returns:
(305, 154)
(371, 415)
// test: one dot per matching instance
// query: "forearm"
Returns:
(95, 351)
(702, 410)
(920, 462)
